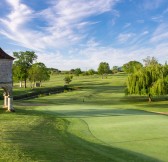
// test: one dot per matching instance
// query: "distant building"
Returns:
(6, 82)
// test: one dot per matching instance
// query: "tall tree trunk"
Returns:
(34, 84)
(20, 84)
(149, 98)
(25, 83)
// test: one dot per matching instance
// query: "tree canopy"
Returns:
(77, 71)
(23, 62)
(152, 79)
(103, 68)
(91, 72)
(68, 79)
(132, 66)
(38, 72)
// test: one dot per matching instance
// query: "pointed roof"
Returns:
(4, 55)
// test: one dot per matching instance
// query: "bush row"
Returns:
(42, 92)
(39, 92)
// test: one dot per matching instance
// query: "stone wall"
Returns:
(5, 71)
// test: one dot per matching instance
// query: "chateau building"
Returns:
(6, 82)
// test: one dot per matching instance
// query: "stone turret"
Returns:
(6, 84)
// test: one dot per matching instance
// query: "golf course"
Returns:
(94, 122)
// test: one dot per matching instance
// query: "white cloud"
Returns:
(160, 34)
(145, 32)
(93, 53)
(124, 37)
(165, 11)
(127, 25)
(65, 22)
(140, 21)
(150, 5)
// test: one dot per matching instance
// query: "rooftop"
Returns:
(4, 55)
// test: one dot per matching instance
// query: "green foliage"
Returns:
(17, 73)
(68, 79)
(24, 61)
(54, 71)
(116, 69)
(132, 66)
(103, 68)
(72, 71)
(38, 73)
(150, 79)
(77, 71)
(89, 72)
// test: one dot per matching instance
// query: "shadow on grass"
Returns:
(88, 99)
(90, 85)
(97, 113)
(106, 89)
(49, 140)
(134, 99)
(83, 98)
(161, 106)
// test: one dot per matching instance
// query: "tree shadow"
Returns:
(155, 105)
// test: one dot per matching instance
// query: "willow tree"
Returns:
(149, 80)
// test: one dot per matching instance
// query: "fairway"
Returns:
(102, 119)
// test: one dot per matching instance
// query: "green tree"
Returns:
(54, 71)
(17, 74)
(150, 80)
(68, 79)
(38, 73)
(103, 68)
(72, 71)
(91, 72)
(132, 66)
(115, 69)
(77, 71)
(24, 61)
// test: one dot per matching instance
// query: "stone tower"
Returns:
(6, 83)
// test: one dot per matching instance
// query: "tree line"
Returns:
(26, 68)
(148, 79)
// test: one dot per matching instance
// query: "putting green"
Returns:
(145, 134)
(137, 131)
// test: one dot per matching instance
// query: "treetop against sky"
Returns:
(68, 34)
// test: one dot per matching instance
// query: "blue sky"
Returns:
(68, 34)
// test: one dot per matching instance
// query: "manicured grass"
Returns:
(55, 81)
(96, 122)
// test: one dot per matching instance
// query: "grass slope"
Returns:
(107, 126)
